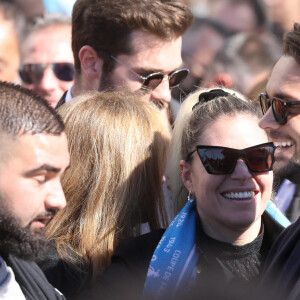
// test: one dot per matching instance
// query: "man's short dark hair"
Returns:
(106, 25)
(22, 111)
(292, 43)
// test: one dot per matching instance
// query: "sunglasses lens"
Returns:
(31, 73)
(279, 110)
(218, 160)
(264, 103)
(64, 71)
(152, 81)
(260, 159)
(177, 77)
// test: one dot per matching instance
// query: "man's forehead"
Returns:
(35, 149)
(285, 79)
(50, 44)
(150, 51)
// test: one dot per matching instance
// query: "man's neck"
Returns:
(84, 84)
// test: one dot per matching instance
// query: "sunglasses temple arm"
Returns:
(129, 69)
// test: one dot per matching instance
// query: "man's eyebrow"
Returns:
(285, 97)
(44, 167)
(140, 70)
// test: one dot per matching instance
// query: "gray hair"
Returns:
(46, 21)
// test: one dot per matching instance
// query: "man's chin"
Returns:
(287, 169)
(21, 242)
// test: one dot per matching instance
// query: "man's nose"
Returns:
(48, 81)
(268, 121)
(55, 198)
(162, 92)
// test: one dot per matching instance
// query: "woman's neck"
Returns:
(232, 235)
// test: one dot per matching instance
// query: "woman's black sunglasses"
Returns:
(222, 160)
(279, 107)
(33, 73)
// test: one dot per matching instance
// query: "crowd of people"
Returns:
(149, 149)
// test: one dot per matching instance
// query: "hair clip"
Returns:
(208, 96)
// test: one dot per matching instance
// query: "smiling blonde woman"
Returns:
(217, 243)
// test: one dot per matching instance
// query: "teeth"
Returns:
(283, 144)
(239, 195)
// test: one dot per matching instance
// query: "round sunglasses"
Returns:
(279, 107)
(151, 81)
(222, 160)
(33, 73)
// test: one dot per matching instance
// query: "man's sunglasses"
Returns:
(279, 107)
(152, 81)
(222, 160)
(33, 73)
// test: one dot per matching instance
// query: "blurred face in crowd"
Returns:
(198, 51)
(150, 55)
(30, 190)
(283, 13)
(284, 83)
(9, 52)
(229, 203)
(236, 16)
(47, 46)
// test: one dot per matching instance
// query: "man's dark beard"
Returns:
(18, 241)
(106, 81)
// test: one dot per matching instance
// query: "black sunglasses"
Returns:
(33, 73)
(152, 81)
(279, 107)
(222, 160)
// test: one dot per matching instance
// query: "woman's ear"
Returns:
(185, 169)
(91, 63)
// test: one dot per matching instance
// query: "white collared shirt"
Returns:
(69, 95)
(9, 288)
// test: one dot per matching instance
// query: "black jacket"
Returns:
(31, 280)
(125, 278)
(281, 275)
(62, 275)
(62, 100)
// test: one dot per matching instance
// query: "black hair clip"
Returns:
(208, 96)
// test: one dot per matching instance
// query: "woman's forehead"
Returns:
(236, 131)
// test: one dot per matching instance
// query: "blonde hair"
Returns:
(118, 146)
(190, 125)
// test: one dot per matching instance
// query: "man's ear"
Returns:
(91, 63)
(185, 169)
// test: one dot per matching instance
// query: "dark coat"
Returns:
(125, 278)
(281, 275)
(62, 100)
(31, 280)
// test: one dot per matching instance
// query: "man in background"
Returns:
(281, 106)
(130, 43)
(245, 60)
(200, 44)
(33, 156)
(12, 24)
(46, 57)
